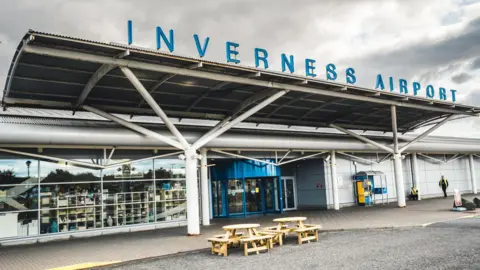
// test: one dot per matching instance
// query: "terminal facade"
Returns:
(98, 138)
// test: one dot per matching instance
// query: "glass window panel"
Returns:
(170, 198)
(70, 207)
(134, 171)
(64, 173)
(19, 224)
(169, 169)
(18, 184)
(128, 202)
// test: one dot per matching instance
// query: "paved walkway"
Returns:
(125, 247)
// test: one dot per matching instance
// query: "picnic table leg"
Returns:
(245, 248)
(250, 233)
(213, 248)
(300, 238)
(300, 224)
(316, 235)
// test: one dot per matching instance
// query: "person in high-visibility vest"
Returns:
(444, 185)
(414, 194)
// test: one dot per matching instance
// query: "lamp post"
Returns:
(28, 163)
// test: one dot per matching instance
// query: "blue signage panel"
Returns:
(232, 55)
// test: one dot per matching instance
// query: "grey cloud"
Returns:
(461, 78)
(427, 55)
(476, 64)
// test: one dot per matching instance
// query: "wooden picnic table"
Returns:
(298, 220)
(231, 230)
(232, 236)
(306, 232)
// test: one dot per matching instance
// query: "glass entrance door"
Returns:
(289, 194)
(253, 195)
(217, 199)
(235, 196)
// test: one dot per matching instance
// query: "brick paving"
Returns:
(139, 245)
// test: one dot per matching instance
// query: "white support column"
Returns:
(205, 189)
(415, 175)
(397, 162)
(472, 173)
(333, 166)
(193, 215)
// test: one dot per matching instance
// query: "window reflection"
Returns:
(40, 197)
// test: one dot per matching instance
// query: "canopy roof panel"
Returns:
(52, 71)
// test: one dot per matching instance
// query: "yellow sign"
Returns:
(257, 190)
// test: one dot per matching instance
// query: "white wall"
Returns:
(457, 172)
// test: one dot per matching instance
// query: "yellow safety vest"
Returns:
(414, 191)
(443, 181)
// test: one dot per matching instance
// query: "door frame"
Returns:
(295, 198)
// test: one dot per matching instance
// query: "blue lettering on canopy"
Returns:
(380, 82)
(231, 52)
(130, 34)
(287, 63)
(391, 84)
(309, 68)
(351, 78)
(416, 88)
(201, 50)
(263, 58)
(403, 86)
(453, 94)
(168, 42)
(430, 91)
(442, 92)
(331, 73)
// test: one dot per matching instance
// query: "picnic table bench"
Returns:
(305, 232)
(220, 243)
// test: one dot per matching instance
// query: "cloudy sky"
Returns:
(430, 41)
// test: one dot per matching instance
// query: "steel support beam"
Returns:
(134, 127)
(358, 158)
(68, 161)
(333, 169)
(385, 158)
(242, 156)
(397, 162)
(204, 187)
(154, 105)
(286, 155)
(110, 156)
(226, 78)
(361, 138)
(415, 174)
(245, 115)
(432, 158)
(204, 95)
(252, 99)
(96, 77)
(156, 86)
(425, 134)
(142, 159)
(471, 162)
(300, 158)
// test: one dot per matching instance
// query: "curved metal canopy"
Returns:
(63, 72)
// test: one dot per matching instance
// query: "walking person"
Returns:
(444, 185)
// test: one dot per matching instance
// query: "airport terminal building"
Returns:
(99, 138)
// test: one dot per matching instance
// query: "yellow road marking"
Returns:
(469, 216)
(83, 265)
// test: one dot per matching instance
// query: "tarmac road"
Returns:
(447, 245)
